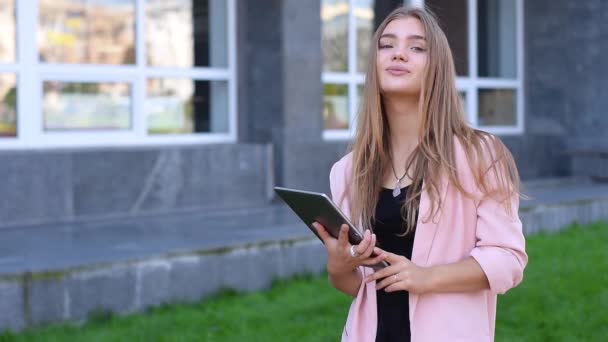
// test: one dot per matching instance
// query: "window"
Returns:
(486, 38)
(86, 106)
(117, 72)
(86, 32)
(488, 55)
(8, 107)
(8, 74)
(347, 28)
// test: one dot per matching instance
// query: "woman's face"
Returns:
(402, 57)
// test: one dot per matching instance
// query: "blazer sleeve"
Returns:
(500, 246)
(333, 182)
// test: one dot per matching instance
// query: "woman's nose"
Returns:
(399, 56)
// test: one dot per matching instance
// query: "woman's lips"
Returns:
(397, 71)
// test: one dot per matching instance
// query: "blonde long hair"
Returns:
(443, 120)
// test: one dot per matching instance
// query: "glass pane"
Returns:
(7, 38)
(496, 42)
(186, 33)
(497, 107)
(335, 106)
(364, 17)
(452, 15)
(334, 35)
(86, 32)
(86, 106)
(463, 99)
(183, 106)
(8, 105)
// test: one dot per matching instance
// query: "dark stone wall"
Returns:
(566, 76)
(45, 186)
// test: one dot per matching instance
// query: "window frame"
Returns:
(472, 83)
(352, 78)
(31, 73)
(469, 85)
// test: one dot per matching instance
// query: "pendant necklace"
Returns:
(397, 189)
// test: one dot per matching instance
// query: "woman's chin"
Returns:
(401, 91)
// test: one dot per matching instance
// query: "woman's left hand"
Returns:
(401, 275)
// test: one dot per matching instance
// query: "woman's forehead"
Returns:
(404, 28)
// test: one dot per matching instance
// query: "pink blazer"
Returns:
(464, 227)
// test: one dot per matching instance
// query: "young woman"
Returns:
(437, 199)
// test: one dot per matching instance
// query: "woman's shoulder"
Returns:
(341, 169)
(340, 172)
(485, 164)
(469, 161)
(344, 163)
(489, 144)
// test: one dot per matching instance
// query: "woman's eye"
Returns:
(417, 49)
(385, 46)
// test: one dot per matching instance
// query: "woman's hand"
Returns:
(401, 275)
(339, 258)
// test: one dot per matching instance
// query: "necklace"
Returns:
(397, 189)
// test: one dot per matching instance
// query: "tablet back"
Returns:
(314, 206)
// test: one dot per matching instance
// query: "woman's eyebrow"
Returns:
(410, 37)
(416, 37)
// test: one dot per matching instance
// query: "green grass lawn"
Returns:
(564, 297)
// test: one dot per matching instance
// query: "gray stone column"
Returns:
(259, 61)
(303, 152)
(280, 89)
(302, 62)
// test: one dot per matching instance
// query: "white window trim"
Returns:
(469, 85)
(31, 74)
(352, 78)
(472, 83)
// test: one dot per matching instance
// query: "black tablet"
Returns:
(318, 207)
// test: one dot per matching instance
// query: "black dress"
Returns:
(393, 307)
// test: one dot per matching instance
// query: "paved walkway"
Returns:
(68, 245)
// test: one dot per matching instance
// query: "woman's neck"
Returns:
(404, 119)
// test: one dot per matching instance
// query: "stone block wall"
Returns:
(47, 186)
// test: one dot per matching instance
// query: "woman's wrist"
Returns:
(432, 278)
(345, 280)
(334, 271)
(462, 276)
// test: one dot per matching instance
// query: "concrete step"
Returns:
(51, 273)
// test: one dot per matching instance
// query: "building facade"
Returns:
(120, 108)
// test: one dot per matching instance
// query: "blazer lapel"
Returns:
(426, 226)
(426, 230)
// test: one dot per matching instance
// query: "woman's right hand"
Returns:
(339, 258)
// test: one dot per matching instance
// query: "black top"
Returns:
(393, 307)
